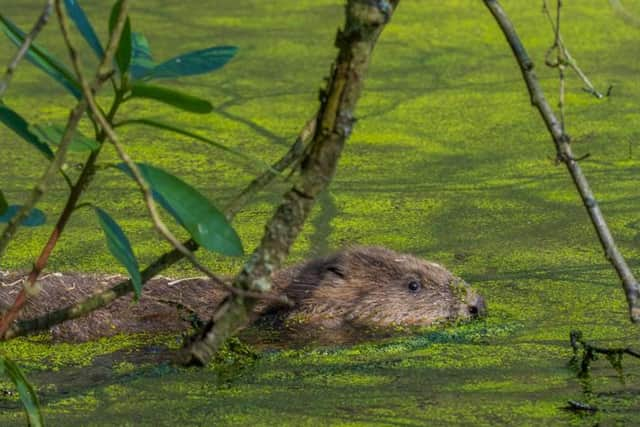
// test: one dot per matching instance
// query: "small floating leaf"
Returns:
(42, 59)
(192, 63)
(27, 395)
(81, 21)
(16, 123)
(123, 53)
(141, 58)
(120, 248)
(171, 97)
(53, 135)
(206, 224)
(35, 218)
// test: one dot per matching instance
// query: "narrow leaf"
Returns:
(81, 21)
(171, 97)
(123, 53)
(53, 134)
(206, 224)
(39, 57)
(3, 203)
(35, 218)
(120, 248)
(27, 395)
(165, 126)
(16, 123)
(141, 58)
(193, 63)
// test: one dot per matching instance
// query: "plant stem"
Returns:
(167, 259)
(87, 172)
(24, 48)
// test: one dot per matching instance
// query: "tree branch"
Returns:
(48, 320)
(565, 154)
(365, 20)
(22, 51)
(40, 188)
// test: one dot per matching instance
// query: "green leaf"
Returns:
(81, 21)
(35, 218)
(192, 63)
(3, 203)
(141, 58)
(42, 59)
(171, 97)
(123, 53)
(165, 126)
(120, 248)
(52, 134)
(27, 395)
(206, 224)
(16, 123)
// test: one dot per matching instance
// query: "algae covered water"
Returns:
(447, 161)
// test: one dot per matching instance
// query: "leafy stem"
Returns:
(81, 184)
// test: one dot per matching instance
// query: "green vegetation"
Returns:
(447, 161)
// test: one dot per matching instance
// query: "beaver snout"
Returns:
(477, 307)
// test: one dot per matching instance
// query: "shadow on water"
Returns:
(447, 161)
(399, 381)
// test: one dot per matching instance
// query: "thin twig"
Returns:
(563, 55)
(576, 406)
(576, 337)
(292, 156)
(24, 47)
(626, 16)
(159, 225)
(565, 154)
(102, 75)
(167, 259)
(185, 279)
(589, 353)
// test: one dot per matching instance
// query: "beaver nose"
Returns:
(477, 307)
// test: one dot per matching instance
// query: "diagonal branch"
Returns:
(166, 260)
(563, 55)
(102, 74)
(22, 51)
(565, 154)
(365, 20)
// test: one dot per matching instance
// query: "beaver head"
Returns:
(377, 287)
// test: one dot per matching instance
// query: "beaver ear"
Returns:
(335, 268)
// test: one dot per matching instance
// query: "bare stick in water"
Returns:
(566, 156)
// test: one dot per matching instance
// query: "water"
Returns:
(447, 161)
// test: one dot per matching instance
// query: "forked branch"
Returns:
(565, 155)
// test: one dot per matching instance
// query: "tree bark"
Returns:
(365, 20)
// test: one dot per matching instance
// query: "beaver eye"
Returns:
(414, 286)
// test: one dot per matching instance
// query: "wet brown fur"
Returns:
(353, 288)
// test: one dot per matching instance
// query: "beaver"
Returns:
(357, 288)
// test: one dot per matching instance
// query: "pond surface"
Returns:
(448, 161)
